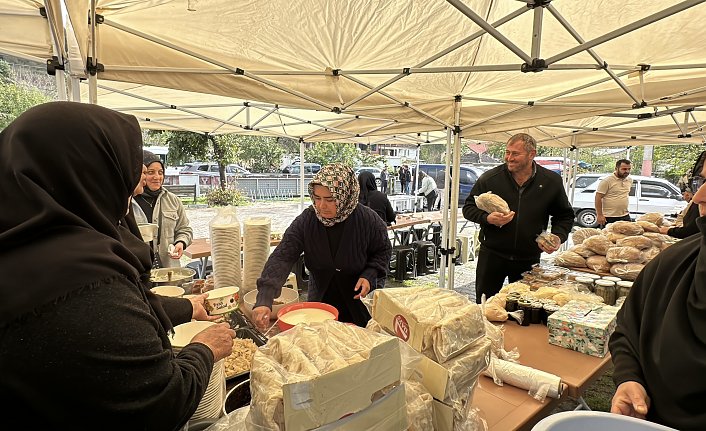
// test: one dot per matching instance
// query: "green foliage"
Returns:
(433, 153)
(289, 145)
(258, 153)
(367, 158)
(325, 153)
(219, 197)
(5, 73)
(17, 98)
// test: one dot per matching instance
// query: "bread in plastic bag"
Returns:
(420, 413)
(496, 335)
(650, 253)
(626, 271)
(494, 308)
(570, 259)
(548, 239)
(656, 238)
(614, 237)
(598, 244)
(582, 250)
(623, 255)
(598, 263)
(516, 286)
(491, 203)
(639, 242)
(580, 235)
(655, 218)
(648, 226)
(627, 228)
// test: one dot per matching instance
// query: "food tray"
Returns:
(245, 333)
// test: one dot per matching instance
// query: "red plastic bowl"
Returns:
(302, 305)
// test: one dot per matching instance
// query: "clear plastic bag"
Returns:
(539, 384)
(491, 203)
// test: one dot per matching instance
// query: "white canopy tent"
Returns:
(571, 73)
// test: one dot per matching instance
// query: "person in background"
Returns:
(428, 190)
(408, 180)
(345, 245)
(383, 179)
(685, 225)
(139, 215)
(167, 211)
(403, 179)
(612, 195)
(658, 346)
(375, 200)
(508, 241)
(82, 347)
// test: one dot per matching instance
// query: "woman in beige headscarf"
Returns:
(345, 245)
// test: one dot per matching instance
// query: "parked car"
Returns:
(375, 171)
(203, 168)
(648, 194)
(309, 169)
(469, 175)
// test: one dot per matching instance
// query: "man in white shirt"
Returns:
(612, 195)
(428, 189)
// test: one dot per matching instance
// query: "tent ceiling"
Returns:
(366, 69)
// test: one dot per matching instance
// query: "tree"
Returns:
(258, 153)
(15, 99)
(367, 158)
(432, 153)
(325, 153)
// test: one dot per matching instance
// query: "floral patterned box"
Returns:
(583, 327)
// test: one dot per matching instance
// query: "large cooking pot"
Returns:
(172, 276)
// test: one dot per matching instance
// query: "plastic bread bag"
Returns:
(496, 335)
(491, 203)
(494, 308)
(468, 418)
(539, 384)
(580, 235)
(234, 420)
(548, 239)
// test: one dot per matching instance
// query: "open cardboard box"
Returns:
(325, 399)
(386, 414)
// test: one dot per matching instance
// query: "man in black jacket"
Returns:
(508, 241)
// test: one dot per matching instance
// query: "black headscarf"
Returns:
(66, 171)
(367, 183)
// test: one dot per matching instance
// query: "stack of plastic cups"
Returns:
(256, 250)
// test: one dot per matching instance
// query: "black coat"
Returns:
(542, 198)
(689, 226)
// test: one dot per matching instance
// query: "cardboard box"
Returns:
(329, 397)
(443, 416)
(386, 414)
(583, 327)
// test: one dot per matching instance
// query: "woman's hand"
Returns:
(630, 399)
(199, 311)
(664, 230)
(218, 338)
(177, 251)
(261, 317)
(363, 285)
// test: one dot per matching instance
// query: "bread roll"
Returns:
(655, 218)
(623, 255)
(582, 250)
(648, 226)
(490, 203)
(598, 244)
(598, 263)
(626, 271)
(570, 259)
(581, 234)
(627, 228)
(640, 242)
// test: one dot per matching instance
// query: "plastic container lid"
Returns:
(593, 276)
(623, 283)
(611, 278)
(586, 280)
(606, 283)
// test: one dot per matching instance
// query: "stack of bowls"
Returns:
(225, 252)
(212, 401)
(256, 250)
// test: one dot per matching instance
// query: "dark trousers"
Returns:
(383, 186)
(492, 269)
(431, 200)
(608, 220)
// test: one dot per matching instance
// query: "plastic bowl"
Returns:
(288, 296)
(223, 300)
(589, 420)
(184, 333)
(173, 291)
(298, 316)
(148, 231)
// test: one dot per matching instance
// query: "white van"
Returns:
(647, 195)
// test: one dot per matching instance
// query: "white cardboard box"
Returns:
(386, 414)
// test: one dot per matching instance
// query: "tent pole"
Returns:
(416, 178)
(455, 183)
(444, 214)
(301, 175)
(93, 76)
(537, 31)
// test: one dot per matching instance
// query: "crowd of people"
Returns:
(88, 320)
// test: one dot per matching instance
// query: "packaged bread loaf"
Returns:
(656, 238)
(490, 203)
(465, 368)
(623, 255)
(650, 253)
(648, 226)
(548, 240)
(627, 228)
(598, 263)
(581, 234)
(419, 406)
(626, 271)
(494, 308)
(614, 237)
(641, 242)
(570, 259)
(598, 244)
(582, 250)
(655, 218)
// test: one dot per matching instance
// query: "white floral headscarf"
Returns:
(341, 181)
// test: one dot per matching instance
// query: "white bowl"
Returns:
(288, 296)
(173, 291)
(223, 300)
(184, 333)
(148, 231)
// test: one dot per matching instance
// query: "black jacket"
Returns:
(542, 197)
(378, 202)
(689, 226)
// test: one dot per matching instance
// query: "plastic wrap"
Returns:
(655, 218)
(640, 242)
(623, 255)
(234, 420)
(582, 250)
(570, 259)
(548, 239)
(515, 287)
(656, 238)
(614, 237)
(598, 244)
(580, 235)
(256, 250)
(439, 323)
(648, 226)
(650, 253)
(496, 334)
(468, 418)
(626, 271)
(628, 228)
(494, 308)
(464, 370)
(598, 263)
(490, 203)
(306, 352)
(225, 248)
(539, 384)
(420, 411)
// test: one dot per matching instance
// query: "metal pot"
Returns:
(172, 276)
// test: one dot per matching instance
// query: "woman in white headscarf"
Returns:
(345, 245)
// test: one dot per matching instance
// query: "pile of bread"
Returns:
(622, 248)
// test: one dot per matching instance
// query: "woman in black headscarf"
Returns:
(345, 247)
(375, 200)
(80, 345)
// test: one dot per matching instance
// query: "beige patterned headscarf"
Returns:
(341, 181)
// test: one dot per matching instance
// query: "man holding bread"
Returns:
(524, 196)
